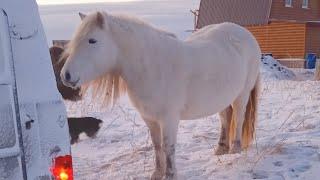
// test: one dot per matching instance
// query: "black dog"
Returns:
(88, 125)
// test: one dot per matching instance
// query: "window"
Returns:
(305, 3)
(288, 3)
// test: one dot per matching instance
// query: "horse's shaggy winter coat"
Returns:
(215, 70)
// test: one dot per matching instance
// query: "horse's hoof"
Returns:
(222, 149)
(235, 151)
(170, 176)
(157, 175)
(235, 148)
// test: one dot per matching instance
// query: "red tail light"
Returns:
(62, 168)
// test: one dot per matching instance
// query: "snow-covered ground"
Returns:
(286, 146)
(287, 143)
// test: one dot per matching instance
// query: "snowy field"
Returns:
(287, 144)
(60, 21)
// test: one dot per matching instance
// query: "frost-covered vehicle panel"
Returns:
(10, 159)
(6, 116)
(34, 134)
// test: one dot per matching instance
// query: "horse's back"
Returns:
(224, 59)
(234, 33)
(234, 41)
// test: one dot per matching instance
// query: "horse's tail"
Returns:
(248, 127)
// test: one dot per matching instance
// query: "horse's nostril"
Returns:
(68, 76)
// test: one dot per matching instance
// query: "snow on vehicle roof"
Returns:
(34, 73)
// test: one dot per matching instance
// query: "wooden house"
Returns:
(285, 28)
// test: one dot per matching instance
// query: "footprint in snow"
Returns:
(278, 163)
(295, 171)
(260, 175)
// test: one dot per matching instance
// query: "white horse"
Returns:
(215, 70)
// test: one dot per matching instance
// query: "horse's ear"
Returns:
(100, 19)
(82, 16)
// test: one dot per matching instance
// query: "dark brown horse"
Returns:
(66, 92)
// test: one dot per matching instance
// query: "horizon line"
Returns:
(73, 3)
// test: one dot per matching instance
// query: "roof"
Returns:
(243, 12)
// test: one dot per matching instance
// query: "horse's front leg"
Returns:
(155, 132)
(169, 129)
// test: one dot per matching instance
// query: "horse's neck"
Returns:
(141, 49)
(133, 34)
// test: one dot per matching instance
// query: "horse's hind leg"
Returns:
(156, 138)
(225, 118)
(169, 129)
(239, 110)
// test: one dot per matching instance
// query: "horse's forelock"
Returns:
(96, 20)
(100, 20)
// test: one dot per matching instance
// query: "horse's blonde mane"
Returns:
(107, 89)
(129, 23)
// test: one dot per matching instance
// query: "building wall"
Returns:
(282, 39)
(313, 38)
(296, 12)
(293, 63)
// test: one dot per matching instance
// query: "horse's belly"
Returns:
(196, 110)
(200, 109)
(194, 113)
(207, 100)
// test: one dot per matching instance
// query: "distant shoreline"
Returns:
(86, 3)
(104, 3)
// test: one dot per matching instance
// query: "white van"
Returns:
(34, 138)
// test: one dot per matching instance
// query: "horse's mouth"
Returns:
(73, 84)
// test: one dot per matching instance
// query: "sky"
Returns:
(48, 2)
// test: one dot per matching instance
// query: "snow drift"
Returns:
(272, 69)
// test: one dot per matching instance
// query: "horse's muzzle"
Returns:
(72, 84)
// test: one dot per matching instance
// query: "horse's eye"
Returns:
(92, 41)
